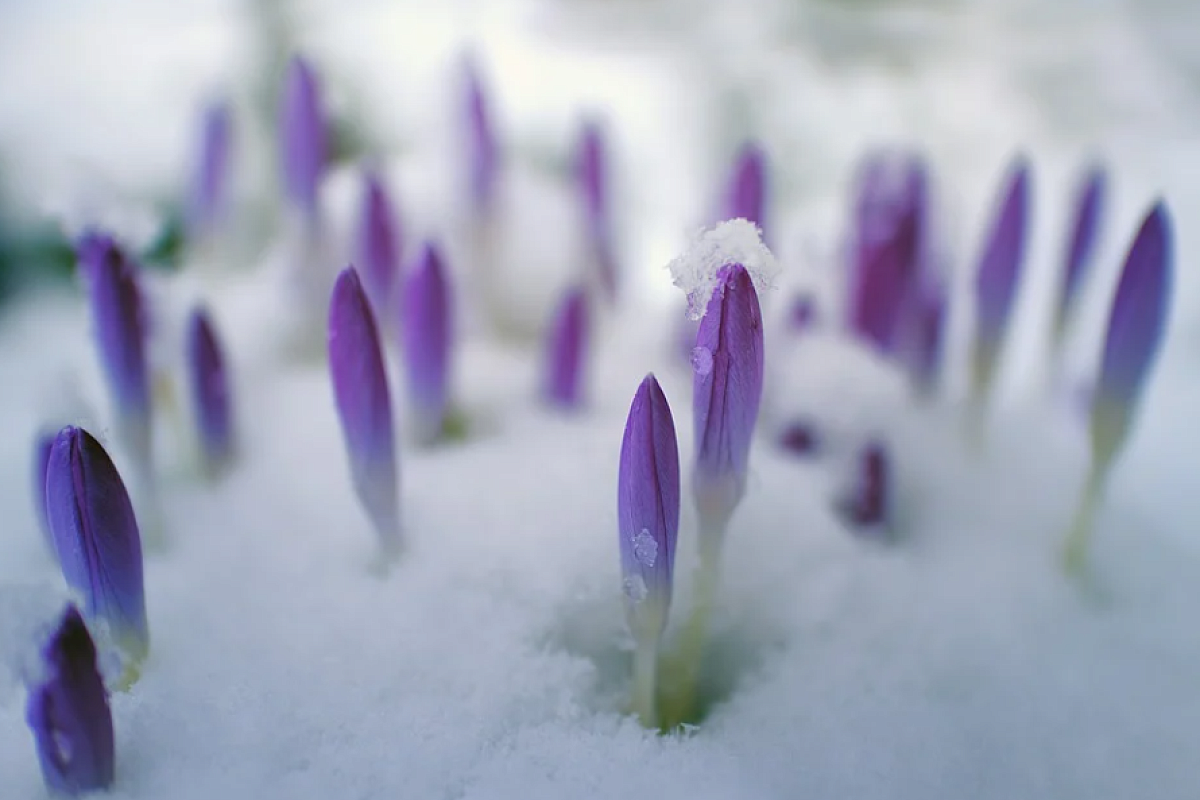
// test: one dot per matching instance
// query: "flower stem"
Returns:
(1075, 549)
(645, 666)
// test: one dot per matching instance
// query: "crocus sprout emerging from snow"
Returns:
(648, 497)
(592, 171)
(207, 201)
(1081, 247)
(302, 137)
(996, 283)
(865, 506)
(1136, 326)
(483, 152)
(566, 352)
(364, 406)
(97, 540)
(42, 446)
(378, 245)
(746, 196)
(68, 712)
(212, 405)
(427, 333)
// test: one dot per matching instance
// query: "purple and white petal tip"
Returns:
(378, 243)
(302, 131)
(1003, 256)
(1083, 236)
(68, 712)
(212, 403)
(360, 391)
(427, 343)
(483, 155)
(208, 199)
(566, 352)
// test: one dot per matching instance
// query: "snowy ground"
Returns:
(492, 662)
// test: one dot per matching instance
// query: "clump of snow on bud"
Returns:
(733, 241)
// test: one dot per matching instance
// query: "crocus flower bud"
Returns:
(378, 244)
(208, 380)
(96, 537)
(592, 171)
(566, 352)
(998, 277)
(207, 200)
(427, 333)
(1081, 245)
(302, 135)
(802, 313)
(727, 386)
(68, 712)
(865, 505)
(799, 437)
(41, 460)
(483, 152)
(118, 320)
(364, 405)
(929, 325)
(747, 185)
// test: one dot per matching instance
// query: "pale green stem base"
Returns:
(644, 700)
(1080, 533)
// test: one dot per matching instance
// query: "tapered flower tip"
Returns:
(427, 334)
(1003, 254)
(746, 195)
(591, 169)
(68, 712)
(727, 383)
(1139, 310)
(96, 537)
(363, 402)
(212, 403)
(42, 445)
(302, 135)
(1081, 241)
(483, 150)
(648, 497)
(865, 505)
(206, 203)
(566, 352)
(378, 243)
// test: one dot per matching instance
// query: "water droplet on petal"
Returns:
(645, 549)
(635, 588)
(702, 360)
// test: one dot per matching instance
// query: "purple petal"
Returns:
(648, 497)
(1089, 205)
(69, 714)
(42, 446)
(302, 135)
(209, 383)
(726, 389)
(208, 200)
(96, 536)
(866, 506)
(483, 155)
(1003, 255)
(592, 170)
(378, 243)
(747, 193)
(566, 352)
(427, 343)
(364, 406)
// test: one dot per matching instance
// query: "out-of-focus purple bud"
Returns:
(483, 155)
(648, 509)
(592, 171)
(802, 313)
(207, 203)
(378, 244)
(118, 319)
(799, 438)
(427, 335)
(999, 275)
(68, 712)
(41, 460)
(929, 325)
(746, 198)
(727, 383)
(1136, 326)
(208, 380)
(566, 352)
(364, 405)
(96, 537)
(1081, 245)
(886, 245)
(302, 135)
(866, 504)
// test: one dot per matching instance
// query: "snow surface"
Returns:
(493, 662)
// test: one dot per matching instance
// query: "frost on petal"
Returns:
(427, 342)
(735, 241)
(208, 381)
(378, 244)
(566, 352)
(96, 536)
(1081, 242)
(68, 712)
(302, 133)
(648, 498)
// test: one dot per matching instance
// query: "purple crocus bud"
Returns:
(364, 405)
(747, 192)
(209, 383)
(427, 344)
(378, 244)
(483, 153)
(802, 313)
(206, 205)
(68, 712)
(1081, 245)
(302, 136)
(41, 460)
(648, 509)
(999, 275)
(865, 506)
(566, 352)
(119, 328)
(928, 333)
(726, 391)
(592, 171)
(96, 537)
(799, 438)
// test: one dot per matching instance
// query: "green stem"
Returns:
(1080, 533)
(645, 665)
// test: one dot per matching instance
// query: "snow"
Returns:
(734, 241)
(493, 661)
